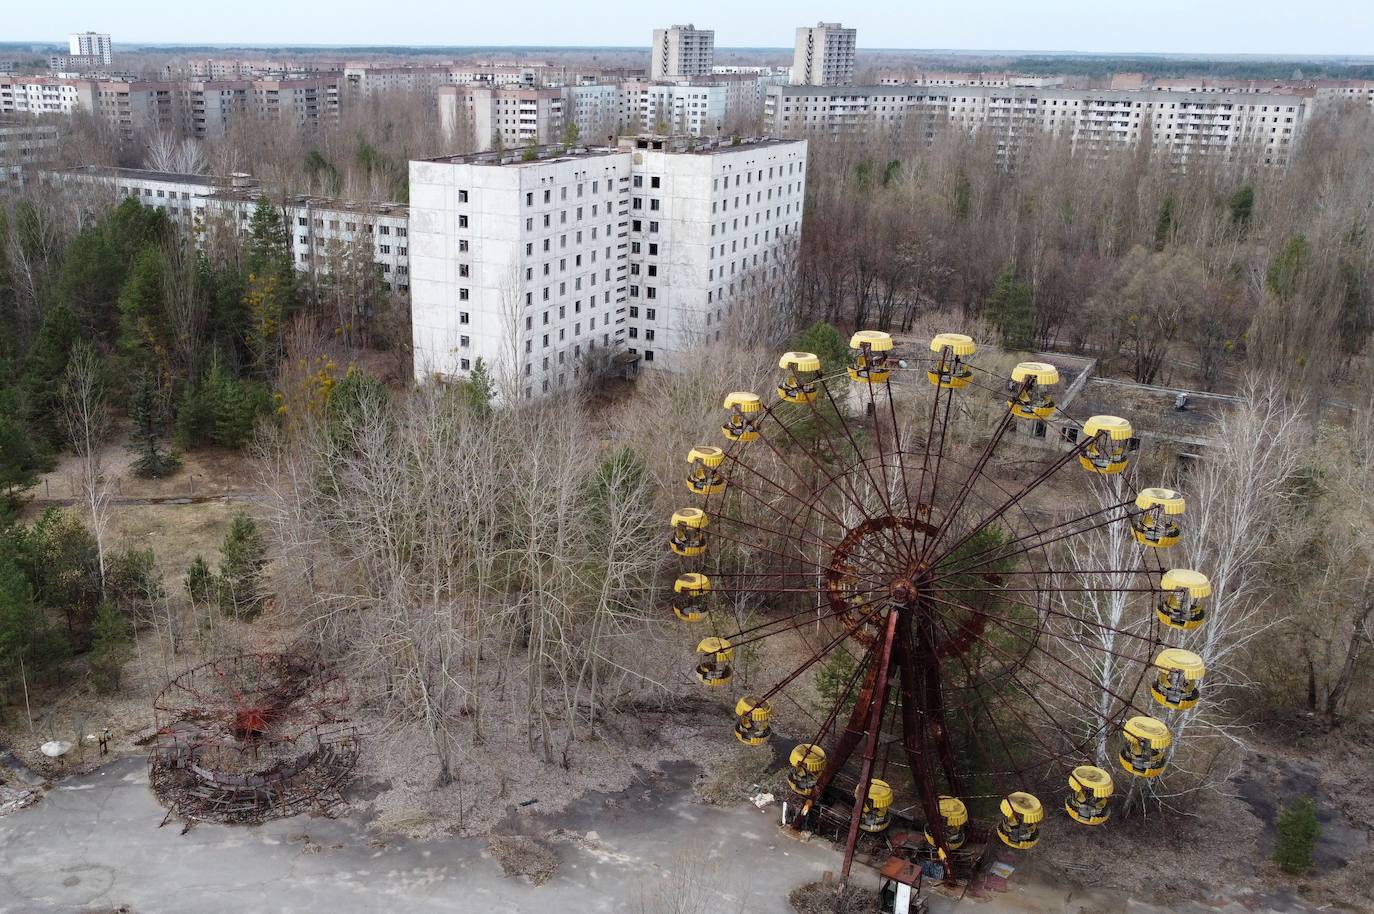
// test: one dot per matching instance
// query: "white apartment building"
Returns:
(319, 227)
(1182, 124)
(682, 51)
(676, 108)
(596, 110)
(537, 266)
(824, 55)
(24, 144)
(514, 116)
(44, 95)
(197, 108)
(90, 44)
(364, 81)
(493, 75)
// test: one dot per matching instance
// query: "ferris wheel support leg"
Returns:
(933, 700)
(875, 722)
(914, 735)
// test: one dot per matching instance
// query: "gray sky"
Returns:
(1171, 26)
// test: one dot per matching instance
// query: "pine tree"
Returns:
(29, 646)
(110, 649)
(19, 458)
(149, 424)
(1298, 830)
(200, 582)
(242, 558)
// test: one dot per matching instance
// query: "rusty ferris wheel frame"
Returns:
(825, 504)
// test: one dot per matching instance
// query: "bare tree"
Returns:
(87, 420)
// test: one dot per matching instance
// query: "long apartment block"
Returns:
(1262, 127)
(321, 229)
(537, 265)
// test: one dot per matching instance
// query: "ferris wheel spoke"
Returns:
(1013, 500)
(758, 635)
(1041, 544)
(934, 472)
(1102, 626)
(995, 552)
(967, 486)
(811, 661)
(788, 537)
(836, 478)
(1008, 702)
(858, 456)
(1033, 646)
(764, 477)
(991, 681)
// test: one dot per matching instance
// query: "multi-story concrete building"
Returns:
(321, 229)
(1185, 125)
(74, 63)
(682, 51)
(91, 44)
(25, 144)
(365, 80)
(536, 265)
(198, 108)
(513, 116)
(824, 55)
(44, 95)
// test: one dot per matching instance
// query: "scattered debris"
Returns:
(829, 897)
(13, 799)
(252, 737)
(524, 857)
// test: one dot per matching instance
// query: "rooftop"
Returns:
(1184, 416)
(140, 174)
(558, 153)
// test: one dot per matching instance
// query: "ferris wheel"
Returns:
(859, 516)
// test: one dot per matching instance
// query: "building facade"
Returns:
(91, 44)
(510, 116)
(321, 229)
(539, 266)
(682, 51)
(824, 55)
(193, 107)
(1185, 125)
(24, 146)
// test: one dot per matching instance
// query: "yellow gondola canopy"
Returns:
(744, 401)
(1042, 373)
(953, 811)
(716, 646)
(959, 343)
(876, 340)
(690, 517)
(808, 757)
(1149, 731)
(1195, 583)
(692, 582)
(1116, 428)
(1091, 780)
(1023, 806)
(1167, 500)
(1178, 660)
(707, 454)
(800, 361)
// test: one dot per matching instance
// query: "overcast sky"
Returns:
(1171, 26)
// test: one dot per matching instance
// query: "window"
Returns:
(464, 341)
(386, 249)
(462, 221)
(463, 317)
(634, 311)
(648, 355)
(462, 196)
(381, 230)
(650, 292)
(651, 313)
(648, 334)
(462, 293)
(464, 363)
